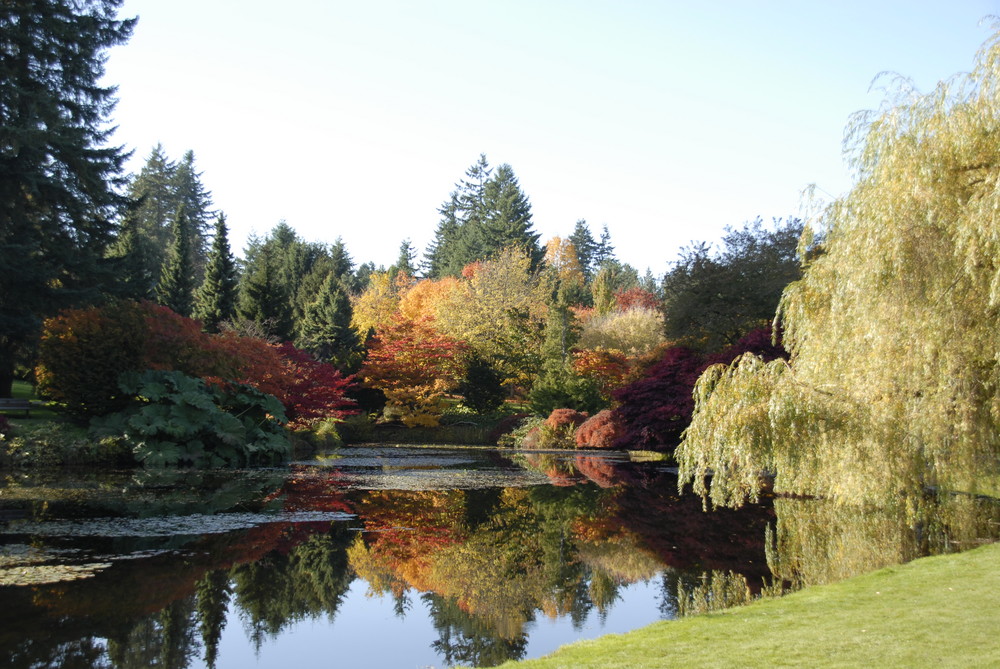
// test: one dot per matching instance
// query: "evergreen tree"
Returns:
(506, 217)
(404, 264)
(188, 191)
(58, 176)
(131, 253)
(325, 330)
(604, 251)
(263, 296)
(152, 208)
(437, 257)
(341, 263)
(485, 214)
(176, 286)
(585, 247)
(215, 302)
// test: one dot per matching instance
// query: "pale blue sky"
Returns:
(664, 120)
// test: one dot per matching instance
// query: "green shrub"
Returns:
(179, 420)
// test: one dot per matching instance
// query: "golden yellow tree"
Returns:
(375, 307)
(499, 311)
(893, 329)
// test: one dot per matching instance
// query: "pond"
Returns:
(409, 557)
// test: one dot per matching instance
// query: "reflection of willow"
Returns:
(820, 541)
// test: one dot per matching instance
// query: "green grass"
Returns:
(935, 612)
(25, 391)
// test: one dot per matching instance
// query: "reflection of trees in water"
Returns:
(467, 639)
(488, 562)
(213, 593)
(283, 588)
(821, 541)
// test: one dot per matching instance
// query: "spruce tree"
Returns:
(325, 330)
(131, 254)
(604, 251)
(59, 178)
(506, 217)
(585, 247)
(176, 286)
(152, 208)
(263, 296)
(485, 214)
(188, 191)
(215, 302)
(404, 263)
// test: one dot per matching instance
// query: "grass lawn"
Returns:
(25, 391)
(935, 612)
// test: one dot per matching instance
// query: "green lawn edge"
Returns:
(941, 611)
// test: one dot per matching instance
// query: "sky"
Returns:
(664, 121)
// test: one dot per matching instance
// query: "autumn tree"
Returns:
(60, 175)
(375, 307)
(893, 380)
(499, 312)
(414, 366)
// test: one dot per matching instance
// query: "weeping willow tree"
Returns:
(893, 330)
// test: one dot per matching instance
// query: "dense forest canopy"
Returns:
(892, 329)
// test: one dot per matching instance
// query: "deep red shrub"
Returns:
(315, 390)
(599, 431)
(656, 409)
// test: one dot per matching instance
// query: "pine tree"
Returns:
(215, 302)
(59, 179)
(176, 287)
(188, 191)
(404, 264)
(585, 247)
(325, 330)
(152, 208)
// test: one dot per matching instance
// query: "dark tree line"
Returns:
(59, 177)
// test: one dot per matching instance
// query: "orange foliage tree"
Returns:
(414, 366)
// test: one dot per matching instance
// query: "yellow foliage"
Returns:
(375, 307)
(894, 380)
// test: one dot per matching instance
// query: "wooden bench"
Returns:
(15, 404)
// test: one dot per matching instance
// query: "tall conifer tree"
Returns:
(215, 302)
(176, 286)
(325, 330)
(58, 175)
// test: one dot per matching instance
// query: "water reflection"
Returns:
(138, 569)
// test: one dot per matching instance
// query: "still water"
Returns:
(409, 557)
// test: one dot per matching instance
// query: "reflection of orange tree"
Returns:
(403, 530)
(498, 572)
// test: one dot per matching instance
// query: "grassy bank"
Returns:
(935, 612)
